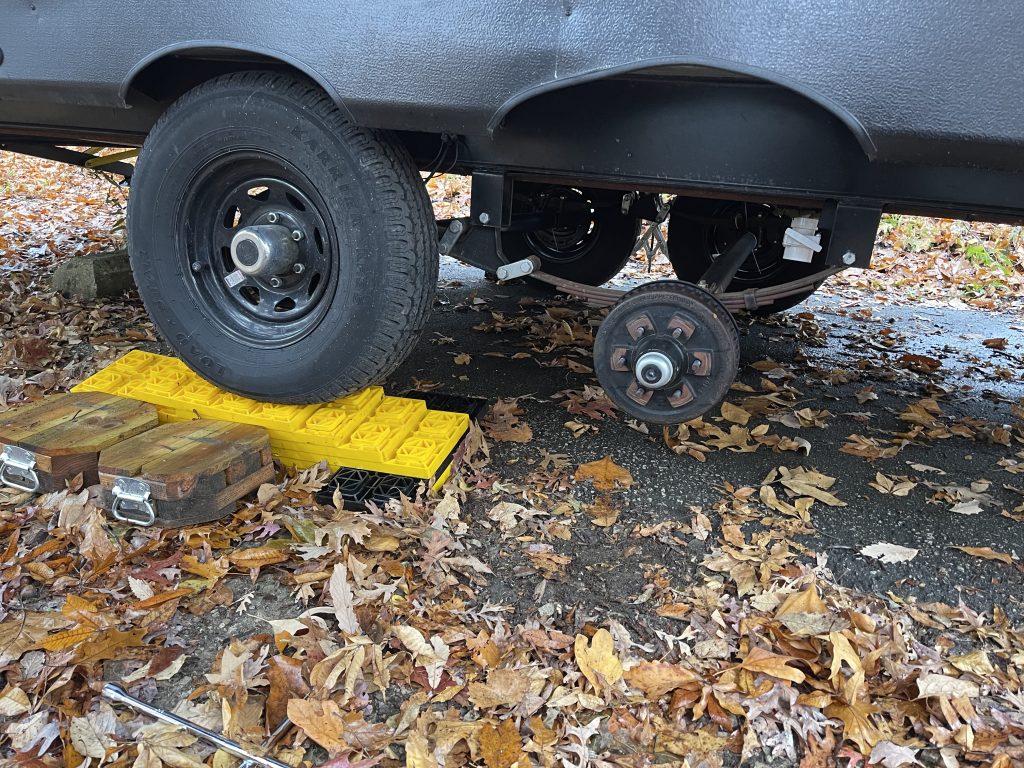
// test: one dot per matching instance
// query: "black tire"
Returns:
(367, 230)
(591, 252)
(694, 243)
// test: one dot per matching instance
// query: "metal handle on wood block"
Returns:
(17, 469)
(132, 503)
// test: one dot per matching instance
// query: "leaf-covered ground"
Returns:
(824, 572)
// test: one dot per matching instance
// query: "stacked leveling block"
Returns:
(151, 473)
(380, 445)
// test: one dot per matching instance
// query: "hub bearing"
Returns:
(264, 250)
(667, 352)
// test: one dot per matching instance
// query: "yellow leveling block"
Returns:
(367, 430)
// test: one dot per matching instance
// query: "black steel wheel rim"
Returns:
(767, 225)
(246, 188)
(571, 242)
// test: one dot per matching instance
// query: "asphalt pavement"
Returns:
(863, 362)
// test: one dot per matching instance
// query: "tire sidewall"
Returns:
(175, 153)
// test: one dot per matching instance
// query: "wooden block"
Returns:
(195, 470)
(66, 433)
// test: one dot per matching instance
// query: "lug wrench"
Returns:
(119, 695)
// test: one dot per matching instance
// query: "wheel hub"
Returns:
(259, 248)
(264, 250)
(667, 352)
(655, 369)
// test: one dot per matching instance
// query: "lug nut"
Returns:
(298, 269)
(275, 282)
(197, 267)
(849, 258)
(272, 217)
(296, 235)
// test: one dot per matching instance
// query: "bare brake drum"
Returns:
(667, 352)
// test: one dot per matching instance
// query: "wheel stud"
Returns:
(677, 394)
(296, 235)
(622, 361)
(677, 332)
(695, 366)
(298, 269)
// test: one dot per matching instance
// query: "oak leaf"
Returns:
(597, 660)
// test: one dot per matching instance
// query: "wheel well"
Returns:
(616, 83)
(167, 74)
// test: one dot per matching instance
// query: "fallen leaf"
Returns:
(597, 660)
(501, 746)
(605, 474)
(889, 553)
(656, 678)
(504, 688)
(735, 414)
(772, 664)
(341, 596)
(934, 684)
(968, 507)
(91, 734)
(603, 512)
(987, 553)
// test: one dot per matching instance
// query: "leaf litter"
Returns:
(387, 650)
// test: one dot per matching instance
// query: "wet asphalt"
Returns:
(834, 347)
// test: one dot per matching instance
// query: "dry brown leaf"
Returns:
(934, 684)
(656, 679)
(735, 414)
(286, 683)
(109, 644)
(597, 660)
(504, 688)
(257, 557)
(605, 474)
(334, 730)
(341, 596)
(987, 553)
(772, 664)
(602, 512)
(501, 746)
